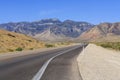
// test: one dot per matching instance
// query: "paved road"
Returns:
(63, 67)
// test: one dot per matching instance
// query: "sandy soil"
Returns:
(97, 63)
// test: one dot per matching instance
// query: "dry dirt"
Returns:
(97, 63)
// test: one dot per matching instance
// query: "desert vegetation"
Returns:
(111, 45)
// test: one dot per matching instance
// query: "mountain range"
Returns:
(49, 29)
(54, 30)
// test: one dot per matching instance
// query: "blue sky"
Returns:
(93, 11)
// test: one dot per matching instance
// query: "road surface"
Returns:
(62, 67)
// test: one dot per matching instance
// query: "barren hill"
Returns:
(11, 41)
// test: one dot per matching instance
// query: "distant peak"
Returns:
(55, 19)
(69, 20)
(51, 19)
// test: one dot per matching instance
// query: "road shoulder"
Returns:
(97, 63)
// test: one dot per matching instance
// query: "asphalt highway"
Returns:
(62, 67)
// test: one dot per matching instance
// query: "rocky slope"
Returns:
(49, 36)
(109, 32)
(58, 29)
(10, 41)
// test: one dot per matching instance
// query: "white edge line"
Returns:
(43, 68)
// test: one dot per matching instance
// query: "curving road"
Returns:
(62, 67)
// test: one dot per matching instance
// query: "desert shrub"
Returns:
(49, 45)
(30, 40)
(10, 35)
(19, 49)
(106, 45)
(112, 45)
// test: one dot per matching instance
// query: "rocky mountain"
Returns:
(11, 41)
(109, 32)
(54, 30)
(48, 35)
(58, 30)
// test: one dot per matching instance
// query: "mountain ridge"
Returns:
(109, 32)
(67, 28)
(53, 30)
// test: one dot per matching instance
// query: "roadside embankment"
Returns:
(97, 63)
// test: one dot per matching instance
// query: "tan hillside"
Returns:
(49, 36)
(104, 32)
(10, 41)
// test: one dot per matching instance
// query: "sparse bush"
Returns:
(49, 45)
(112, 45)
(106, 45)
(30, 40)
(10, 35)
(19, 49)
